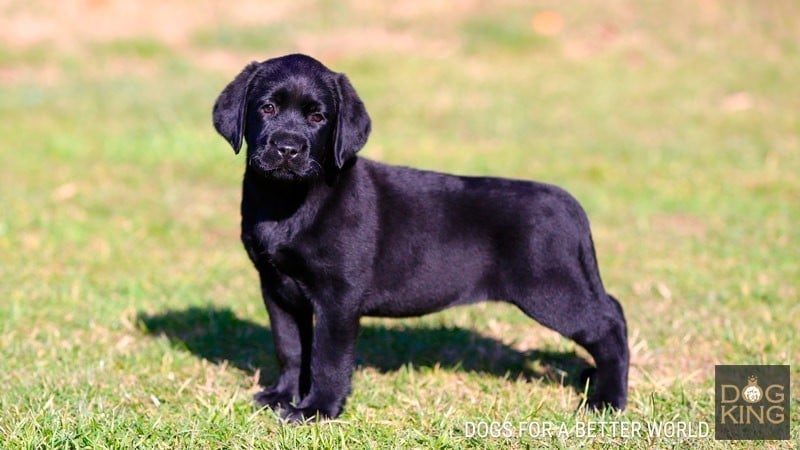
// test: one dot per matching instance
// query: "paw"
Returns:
(270, 398)
(605, 397)
(307, 414)
(597, 403)
(301, 415)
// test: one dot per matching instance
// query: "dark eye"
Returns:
(269, 109)
(316, 117)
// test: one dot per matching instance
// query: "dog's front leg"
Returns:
(291, 333)
(332, 360)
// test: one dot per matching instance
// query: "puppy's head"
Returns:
(298, 118)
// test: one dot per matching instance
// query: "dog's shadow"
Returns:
(218, 335)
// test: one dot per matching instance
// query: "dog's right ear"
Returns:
(230, 108)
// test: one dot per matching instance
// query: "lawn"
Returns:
(130, 316)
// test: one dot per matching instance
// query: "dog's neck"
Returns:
(279, 200)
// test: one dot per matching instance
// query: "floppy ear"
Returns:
(352, 122)
(231, 105)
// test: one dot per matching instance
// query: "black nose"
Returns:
(287, 148)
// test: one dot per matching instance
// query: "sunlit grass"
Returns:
(130, 315)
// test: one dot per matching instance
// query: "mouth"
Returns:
(280, 172)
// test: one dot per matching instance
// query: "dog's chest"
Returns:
(269, 236)
(262, 240)
(267, 243)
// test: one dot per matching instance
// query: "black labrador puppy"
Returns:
(335, 237)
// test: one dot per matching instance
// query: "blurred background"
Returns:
(676, 124)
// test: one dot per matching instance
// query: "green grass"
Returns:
(130, 315)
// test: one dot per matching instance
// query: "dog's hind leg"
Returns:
(612, 358)
(566, 301)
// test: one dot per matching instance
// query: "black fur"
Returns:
(335, 237)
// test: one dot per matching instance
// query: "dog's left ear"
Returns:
(352, 122)
(231, 107)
